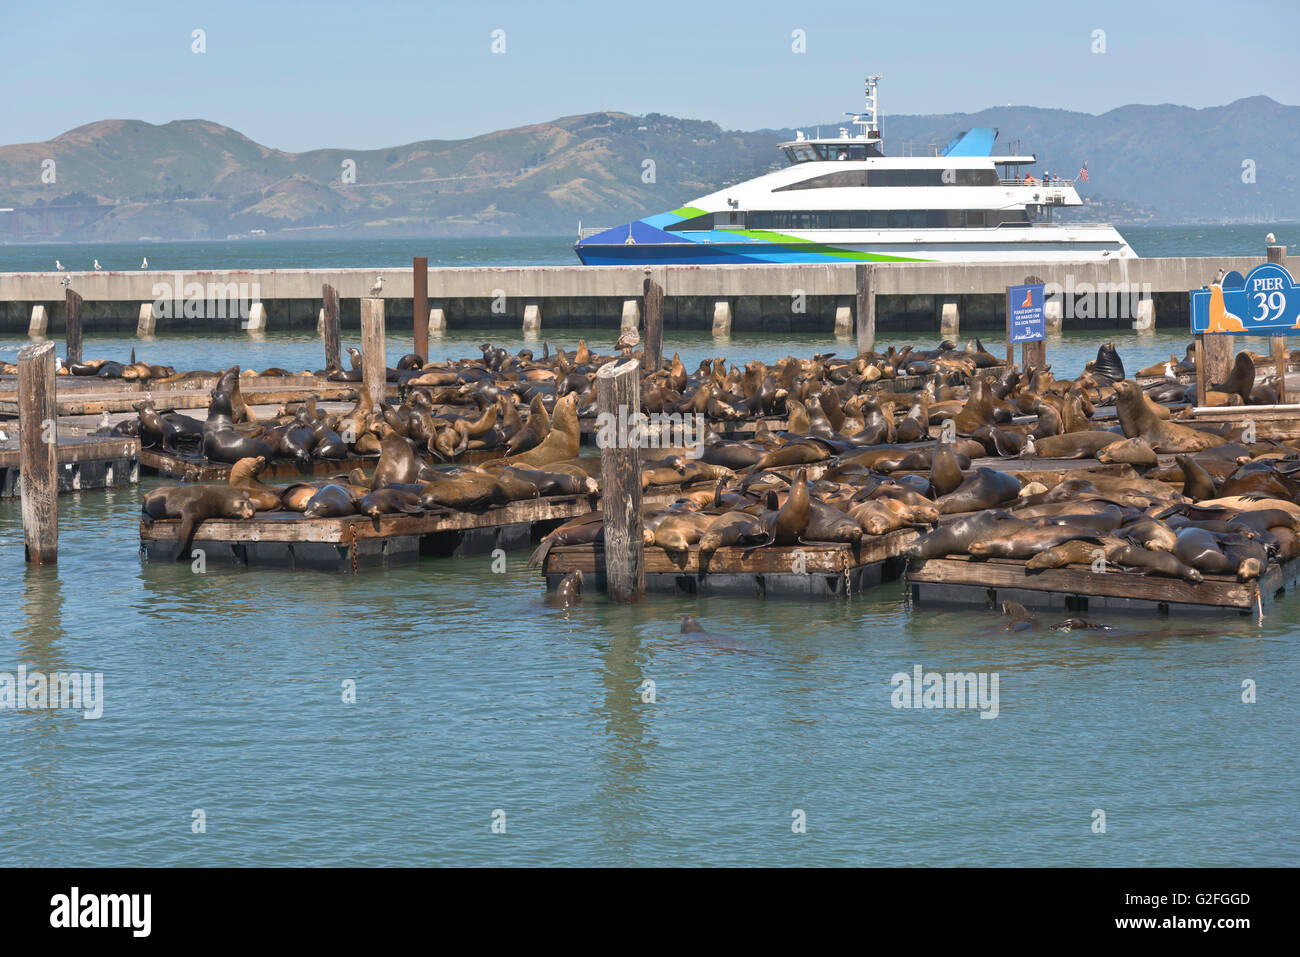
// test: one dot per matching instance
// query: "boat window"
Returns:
(844, 178)
(882, 219)
(802, 153)
(975, 217)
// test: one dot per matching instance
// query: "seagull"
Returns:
(66, 281)
(103, 420)
(378, 287)
(627, 342)
(1169, 372)
(97, 265)
(144, 263)
(58, 265)
(1270, 239)
(1218, 279)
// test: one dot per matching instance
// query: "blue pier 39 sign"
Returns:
(1026, 319)
(1265, 303)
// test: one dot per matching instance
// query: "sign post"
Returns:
(1026, 324)
(1266, 302)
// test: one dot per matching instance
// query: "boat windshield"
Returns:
(812, 152)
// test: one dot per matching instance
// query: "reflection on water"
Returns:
(223, 693)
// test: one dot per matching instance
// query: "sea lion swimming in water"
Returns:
(192, 504)
(569, 590)
(1021, 619)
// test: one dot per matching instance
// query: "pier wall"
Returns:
(776, 298)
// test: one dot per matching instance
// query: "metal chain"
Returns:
(353, 528)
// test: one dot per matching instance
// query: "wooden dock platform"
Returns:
(86, 462)
(962, 580)
(354, 543)
(90, 396)
(803, 571)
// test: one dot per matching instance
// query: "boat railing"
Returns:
(1037, 182)
(585, 231)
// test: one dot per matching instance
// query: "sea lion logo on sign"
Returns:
(1266, 302)
(1027, 323)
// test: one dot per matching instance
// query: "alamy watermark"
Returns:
(656, 430)
(195, 300)
(37, 691)
(952, 690)
(1086, 300)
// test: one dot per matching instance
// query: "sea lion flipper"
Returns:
(189, 525)
(539, 554)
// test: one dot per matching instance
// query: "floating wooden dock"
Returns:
(1271, 421)
(354, 543)
(85, 462)
(90, 396)
(962, 580)
(196, 468)
(802, 571)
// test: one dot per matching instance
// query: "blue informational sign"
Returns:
(1265, 303)
(1026, 319)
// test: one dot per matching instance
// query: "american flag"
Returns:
(1083, 172)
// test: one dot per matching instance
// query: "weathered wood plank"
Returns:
(37, 438)
(618, 388)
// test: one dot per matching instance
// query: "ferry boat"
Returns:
(841, 199)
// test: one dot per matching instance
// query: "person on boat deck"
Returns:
(843, 155)
(1047, 178)
(1029, 179)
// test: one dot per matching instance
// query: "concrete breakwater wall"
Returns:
(921, 297)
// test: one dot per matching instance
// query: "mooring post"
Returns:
(72, 324)
(1202, 386)
(1219, 355)
(330, 306)
(1276, 254)
(1281, 356)
(374, 361)
(652, 295)
(38, 459)
(420, 306)
(866, 307)
(618, 387)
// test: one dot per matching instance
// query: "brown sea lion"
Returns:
(954, 537)
(243, 476)
(1197, 483)
(398, 463)
(1078, 551)
(945, 471)
(192, 504)
(1135, 451)
(1135, 556)
(1028, 541)
(788, 523)
(569, 590)
(984, 488)
(1074, 445)
(330, 501)
(1137, 419)
(561, 441)
(735, 528)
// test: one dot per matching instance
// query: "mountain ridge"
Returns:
(193, 178)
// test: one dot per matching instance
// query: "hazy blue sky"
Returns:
(298, 76)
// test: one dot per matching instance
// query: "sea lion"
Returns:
(1199, 549)
(1028, 541)
(956, 536)
(388, 501)
(945, 472)
(569, 590)
(243, 476)
(1107, 364)
(1077, 551)
(562, 440)
(983, 488)
(398, 463)
(1075, 445)
(192, 504)
(1134, 451)
(330, 501)
(788, 523)
(735, 528)
(1241, 380)
(1137, 419)
(221, 443)
(1021, 619)
(1135, 556)
(1197, 483)
(465, 490)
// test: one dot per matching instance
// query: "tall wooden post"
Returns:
(1276, 254)
(374, 361)
(72, 324)
(333, 348)
(38, 459)
(420, 306)
(1281, 357)
(866, 308)
(1219, 355)
(618, 387)
(652, 307)
(1202, 385)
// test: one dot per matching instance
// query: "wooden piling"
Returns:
(618, 386)
(652, 296)
(420, 306)
(1281, 357)
(72, 323)
(330, 305)
(1220, 353)
(1202, 387)
(38, 443)
(374, 362)
(866, 308)
(1276, 254)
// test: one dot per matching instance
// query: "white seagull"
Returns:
(66, 281)
(58, 265)
(97, 265)
(144, 263)
(1169, 372)
(378, 287)
(1270, 239)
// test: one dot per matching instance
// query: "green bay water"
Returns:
(223, 693)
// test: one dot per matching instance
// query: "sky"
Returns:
(299, 76)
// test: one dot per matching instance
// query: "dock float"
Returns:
(118, 395)
(353, 543)
(85, 463)
(962, 580)
(802, 571)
